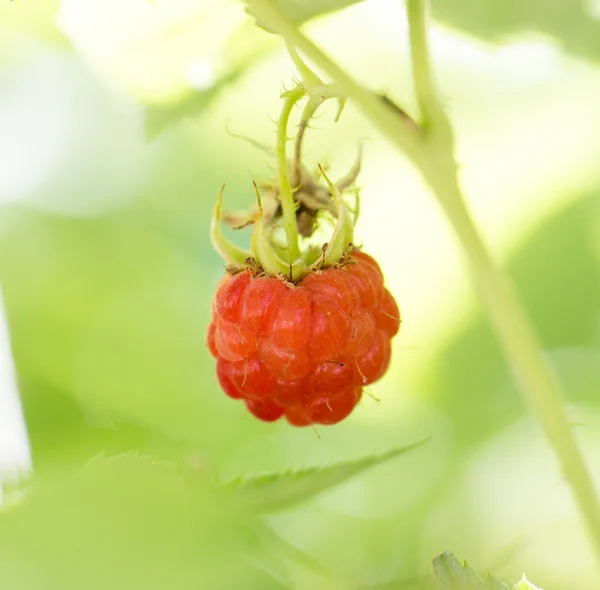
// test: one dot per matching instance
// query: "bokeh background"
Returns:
(117, 123)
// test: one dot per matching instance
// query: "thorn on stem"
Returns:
(400, 112)
(258, 198)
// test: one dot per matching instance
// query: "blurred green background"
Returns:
(114, 142)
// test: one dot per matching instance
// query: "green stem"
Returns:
(420, 58)
(286, 196)
(432, 154)
(309, 110)
(433, 117)
(505, 312)
(399, 127)
(307, 75)
(517, 336)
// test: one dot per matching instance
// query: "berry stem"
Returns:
(309, 110)
(431, 150)
(402, 129)
(286, 196)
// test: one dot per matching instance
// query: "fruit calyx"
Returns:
(293, 206)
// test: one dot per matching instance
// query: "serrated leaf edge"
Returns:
(256, 482)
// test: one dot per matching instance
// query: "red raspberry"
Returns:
(305, 350)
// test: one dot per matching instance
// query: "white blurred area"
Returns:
(510, 508)
(69, 143)
(15, 459)
(155, 49)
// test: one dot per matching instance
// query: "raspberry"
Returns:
(304, 350)
(299, 325)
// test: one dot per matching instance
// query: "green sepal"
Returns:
(266, 253)
(312, 254)
(231, 253)
(343, 234)
(279, 248)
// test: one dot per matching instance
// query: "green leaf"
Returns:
(122, 523)
(277, 555)
(525, 584)
(245, 46)
(579, 371)
(571, 23)
(451, 575)
(159, 117)
(401, 584)
(571, 285)
(278, 491)
(36, 19)
(300, 11)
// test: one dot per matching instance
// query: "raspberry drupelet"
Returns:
(303, 351)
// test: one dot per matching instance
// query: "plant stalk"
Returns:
(423, 81)
(536, 379)
(506, 314)
(399, 128)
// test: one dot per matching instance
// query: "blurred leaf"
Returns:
(159, 117)
(173, 57)
(570, 22)
(32, 18)
(278, 491)
(525, 584)
(122, 523)
(395, 585)
(62, 433)
(579, 371)
(276, 551)
(267, 556)
(300, 11)
(563, 302)
(244, 47)
(450, 575)
(107, 281)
